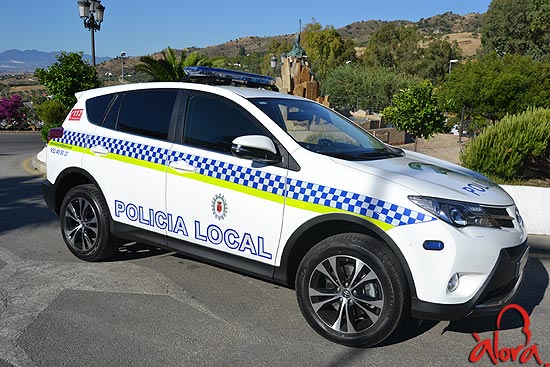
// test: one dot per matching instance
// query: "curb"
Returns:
(539, 241)
(39, 161)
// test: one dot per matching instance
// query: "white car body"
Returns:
(229, 208)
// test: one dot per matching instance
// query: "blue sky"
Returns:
(141, 27)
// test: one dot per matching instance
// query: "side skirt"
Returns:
(204, 254)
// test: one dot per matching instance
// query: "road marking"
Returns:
(27, 167)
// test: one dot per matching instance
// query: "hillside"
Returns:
(464, 29)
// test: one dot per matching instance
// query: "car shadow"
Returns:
(529, 296)
(22, 203)
(134, 251)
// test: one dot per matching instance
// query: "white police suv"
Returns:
(284, 189)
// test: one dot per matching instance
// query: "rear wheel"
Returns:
(84, 219)
(352, 289)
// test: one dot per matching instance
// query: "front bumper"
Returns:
(497, 291)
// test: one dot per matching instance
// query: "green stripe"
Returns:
(317, 208)
(72, 148)
(230, 185)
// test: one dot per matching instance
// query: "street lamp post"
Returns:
(122, 54)
(273, 61)
(451, 62)
(91, 12)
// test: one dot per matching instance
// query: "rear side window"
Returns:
(96, 107)
(147, 112)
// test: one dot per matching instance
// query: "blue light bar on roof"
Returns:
(232, 75)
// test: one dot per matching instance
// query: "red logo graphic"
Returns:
(76, 114)
(523, 353)
(219, 207)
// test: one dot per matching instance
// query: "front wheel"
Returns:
(351, 289)
(84, 220)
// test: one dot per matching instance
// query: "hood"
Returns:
(433, 177)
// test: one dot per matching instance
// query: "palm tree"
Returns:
(170, 67)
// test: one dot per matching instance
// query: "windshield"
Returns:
(321, 130)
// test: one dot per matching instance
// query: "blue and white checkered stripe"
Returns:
(356, 203)
(245, 176)
(73, 138)
(125, 148)
(294, 189)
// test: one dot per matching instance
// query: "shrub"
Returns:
(52, 113)
(516, 147)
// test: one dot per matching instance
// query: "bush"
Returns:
(516, 147)
(53, 114)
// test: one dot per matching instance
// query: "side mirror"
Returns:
(257, 148)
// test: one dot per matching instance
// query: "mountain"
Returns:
(464, 29)
(16, 61)
(442, 24)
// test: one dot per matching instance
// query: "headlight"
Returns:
(461, 214)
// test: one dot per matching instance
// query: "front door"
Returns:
(215, 199)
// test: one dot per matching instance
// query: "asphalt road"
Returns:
(148, 307)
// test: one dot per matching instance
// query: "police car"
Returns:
(287, 190)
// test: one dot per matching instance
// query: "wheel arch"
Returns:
(68, 179)
(319, 228)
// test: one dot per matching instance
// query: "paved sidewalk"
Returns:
(442, 146)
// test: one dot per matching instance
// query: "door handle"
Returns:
(182, 166)
(99, 150)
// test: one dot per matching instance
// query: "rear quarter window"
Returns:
(96, 108)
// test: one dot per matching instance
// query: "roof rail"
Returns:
(217, 76)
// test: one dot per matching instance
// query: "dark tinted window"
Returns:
(96, 107)
(147, 112)
(109, 121)
(212, 123)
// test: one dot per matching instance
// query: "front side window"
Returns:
(147, 113)
(213, 123)
(323, 131)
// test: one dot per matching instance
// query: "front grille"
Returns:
(500, 216)
(516, 251)
(505, 275)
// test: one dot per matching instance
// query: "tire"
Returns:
(84, 220)
(354, 309)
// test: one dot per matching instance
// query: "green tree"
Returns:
(325, 48)
(70, 74)
(518, 27)
(250, 62)
(494, 86)
(415, 110)
(170, 67)
(434, 61)
(394, 46)
(52, 113)
(356, 86)
(516, 147)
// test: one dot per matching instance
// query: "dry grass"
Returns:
(468, 42)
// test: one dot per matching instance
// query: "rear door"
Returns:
(128, 153)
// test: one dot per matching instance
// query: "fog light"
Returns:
(453, 283)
